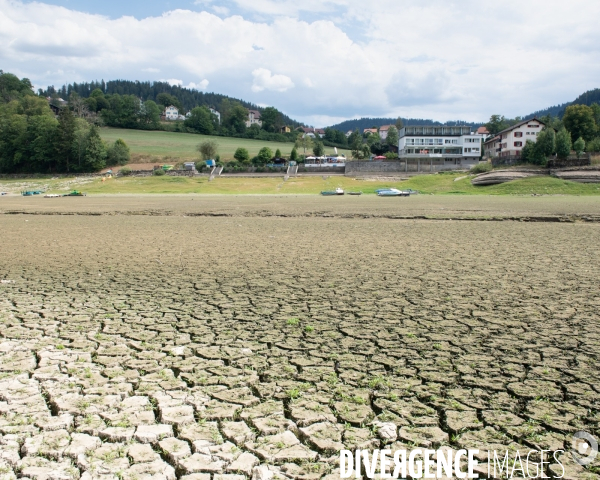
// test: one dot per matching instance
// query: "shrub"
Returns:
(125, 171)
(265, 155)
(242, 155)
(594, 145)
(159, 172)
(118, 153)
(208, 150)
(481, 168)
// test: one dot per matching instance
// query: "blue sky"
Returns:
(320, 61)
(115, 9)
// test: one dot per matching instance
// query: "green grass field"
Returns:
(427, 184)
(154, 146)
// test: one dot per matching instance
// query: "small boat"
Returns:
(392, 192)
(27, 193)
(74, 193)
(337, 191)
(354, 193)
(52, 195)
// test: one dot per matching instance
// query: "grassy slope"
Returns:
(436, 184)
(445, 184)
(182, 146)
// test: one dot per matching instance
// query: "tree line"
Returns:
(367, 122)
(186, 100)
(34, 140)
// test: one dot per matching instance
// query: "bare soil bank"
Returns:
(419, 206)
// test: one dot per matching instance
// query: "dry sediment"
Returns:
(236, 347)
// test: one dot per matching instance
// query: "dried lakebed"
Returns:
(227, 348)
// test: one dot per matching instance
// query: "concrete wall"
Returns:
(358, 168)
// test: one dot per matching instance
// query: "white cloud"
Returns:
(219, 10)
(264, 80)
(202, 85)
(469, 59)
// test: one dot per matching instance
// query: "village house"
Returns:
(172, 113)
(308, 132)
(285, 129)
(483, 131)
(320, 132)
(510, 141)
(383, 131)
(370, 131)
(253, 118)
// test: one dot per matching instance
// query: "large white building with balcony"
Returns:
(451, 145)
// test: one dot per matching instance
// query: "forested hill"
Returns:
(188, 98)
(362, 123)
(587, 98)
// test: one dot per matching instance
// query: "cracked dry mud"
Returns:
(234, 348)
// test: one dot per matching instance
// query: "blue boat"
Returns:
(392, 192)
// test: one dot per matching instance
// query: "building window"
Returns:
(518, 134)
(533, 126)
(518, 144)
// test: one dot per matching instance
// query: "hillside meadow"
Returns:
(156, 146)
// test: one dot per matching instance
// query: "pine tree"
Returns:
(579, 146)
(66, 137)
(563, 143)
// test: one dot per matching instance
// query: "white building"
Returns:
(172, 113)
(450, 145)
(253, 118)
(510, 142)
(214, 112)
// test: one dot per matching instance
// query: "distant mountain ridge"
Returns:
(368, 122)
(587, 98)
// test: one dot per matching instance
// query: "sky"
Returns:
(320, 61)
